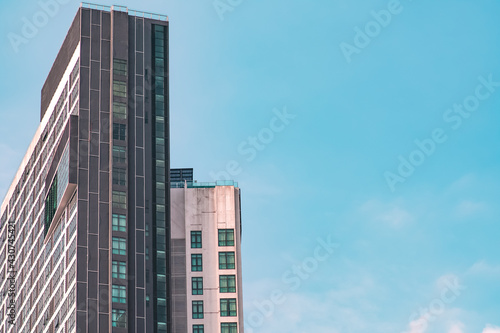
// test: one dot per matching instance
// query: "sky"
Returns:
(364, 137)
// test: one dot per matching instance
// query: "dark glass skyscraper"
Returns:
(88, 213)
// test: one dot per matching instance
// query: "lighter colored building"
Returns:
(206, 258)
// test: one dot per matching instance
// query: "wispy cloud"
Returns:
(391, 214)
(456, 328)
(491, 329)
(468, 208)
(483, 268)
(417, 326)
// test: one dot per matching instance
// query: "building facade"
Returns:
(87, 240)
(207, 293)
(84, 227)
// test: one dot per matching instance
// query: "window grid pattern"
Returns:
(119, 154)
(197, 309)
(229, 328)
(196, 262)
(119, 199)
(227, 283)
(159, 174)
(119, 246)
(197, 285)
(226, 237)
(119, 222)
(119, 294)
(196, 239)
(119, 270)
(198, 329)
(228, 307)
(226, 260)
(119, 318)
(119, 131)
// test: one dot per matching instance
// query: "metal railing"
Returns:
(196, 184)
(95, 6)
(124, 9)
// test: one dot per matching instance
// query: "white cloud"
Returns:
(418, 325)
(467, 208)
(463, 183)
(491, 329)
(484, 269)
(456, 328)
(392, 214)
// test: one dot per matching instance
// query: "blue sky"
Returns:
(416, 248)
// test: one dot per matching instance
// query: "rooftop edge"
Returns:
(124, 9)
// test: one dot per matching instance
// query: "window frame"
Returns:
(197, 309)
(224, 283)
(122, 202)
(119, 131)
(196, 262)
(119, 89)
(225, 263)
(118, 313)
(117, 154)
(198, 328)
(196, 285)
(118, 269)
(223, 238)
(119, 250)
(119, 176)
(196, 239)
(119, 294)
(228, 307)
(229, 327)
(119, 222)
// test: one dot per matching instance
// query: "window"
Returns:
(119, 154)
(197, 309)
(196, 263)
(119, 131)
(198, 329)
(119, 246)
(119, 222)
(119, 110)
(119, 89)
(119, 67)
(226, 260)
(119, 176)
(229, 328)
(119, 270)
(195, 239)
(226, 237)
(119, 318)
(119, 294)
(228, 307)
(227, 283)
(51, 204)
(197, 284)
(119, 200)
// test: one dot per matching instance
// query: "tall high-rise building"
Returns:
(87, 241)
(207, 293)
(84, 229)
